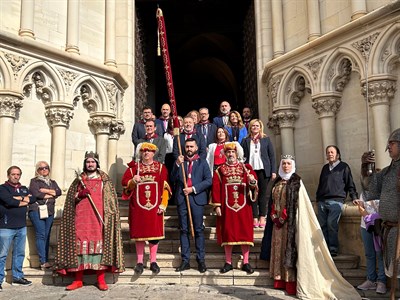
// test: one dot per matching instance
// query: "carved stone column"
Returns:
(326, 106)
(100, 123)
(116, 129)
(380, 92)
(314, 20)
(27, 18)
(274, 126)
(110, 34)
(10, 104)
(58, 115)
(358, 9)
(72, 27)
(285, 119)
(277, 28)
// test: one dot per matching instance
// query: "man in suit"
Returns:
(138, 131)
(162, 121)
(153, 138)
(207, 129)
(223, 118)
(199, 181)
(190, 132)
(247, 114)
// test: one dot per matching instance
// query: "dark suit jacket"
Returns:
(267, 154)
(161, 144)
(201, 181)
(139, 132)
(201, 144)
(211, 131)
(218, 121)
(160, 124)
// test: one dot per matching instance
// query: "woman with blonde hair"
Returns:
(236, 129)
(195, 115)
(41, 213)
(260, 154)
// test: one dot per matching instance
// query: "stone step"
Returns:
(171, 209)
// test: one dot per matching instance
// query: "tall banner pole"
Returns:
(162, 50)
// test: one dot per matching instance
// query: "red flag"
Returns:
(162, 39)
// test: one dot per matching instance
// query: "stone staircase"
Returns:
(168, 259)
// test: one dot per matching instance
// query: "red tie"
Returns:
(189, 181)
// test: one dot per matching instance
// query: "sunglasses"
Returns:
(43, 168)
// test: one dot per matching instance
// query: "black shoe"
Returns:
(21, 281)
(227, 267)
(247, 268)
(201, 267)
(334, 253)
(154, 268)
(1, 288)
(139, 268)
(184, 266)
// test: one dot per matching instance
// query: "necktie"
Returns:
(205, 131)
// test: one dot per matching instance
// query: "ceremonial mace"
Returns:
(162, 40)
(78, 175)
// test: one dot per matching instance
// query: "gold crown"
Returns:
(147, 178)
(148, 146)
(288, 156)
(234, 179)
(230, 146)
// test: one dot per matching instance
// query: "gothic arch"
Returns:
(294, 85)
(336, 71)
(386, 51)
(92, 94)
(5, 75)
(44, 79)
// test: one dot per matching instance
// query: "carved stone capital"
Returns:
(380, 91)
(286, 118)
(274, 86)
(9, 105)
(101, 123)
(326, 106)
(116, 129)
(273, 125)
(59, 114)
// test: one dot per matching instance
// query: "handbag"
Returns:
(43, 211)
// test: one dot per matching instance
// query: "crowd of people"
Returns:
(230, 164)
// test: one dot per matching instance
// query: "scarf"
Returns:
(204, 122)
(15, 186)
(148, 137)
(190, 161)
(256, 138)
(189, 134)
(286, 176)
(45, 179)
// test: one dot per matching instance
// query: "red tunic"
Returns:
(231, 191)
(145, 199)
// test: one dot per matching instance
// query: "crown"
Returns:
(234, 179)
(92, 154)
(148, 146)
(288, 156)
(147, 178)
(230, 146)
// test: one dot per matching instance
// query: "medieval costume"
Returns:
(90, 232)
(148, 200)
(233, 191)
(300, 261)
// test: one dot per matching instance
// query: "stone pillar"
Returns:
(277, 28)
(285, 119)
(326, 106)
(10, 104)
(274, 126)
(100, 123)
(117, 128)
(380, 92)
(110, 34)
(314, 21)
(72, 27)
(358, 9)
(27, 18)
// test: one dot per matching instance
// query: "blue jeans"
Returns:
(329, 212)
(42, 233)
(373, 257)
(7, 236)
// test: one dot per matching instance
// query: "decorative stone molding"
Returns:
(379, 91)
(365, 45)
(116, 129)
(111, 90)
(298, 92)
(44, 86)
(68, 77)
(88, 96)
(59, 114)
(327, 106)
(273, 125)
(345, 68)
(273, 87)
(17, 62)
(286, 118)
(10, 105)
(314, 66)
(100, 123)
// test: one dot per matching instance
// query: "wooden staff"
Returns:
(78, 175)
(163, 44)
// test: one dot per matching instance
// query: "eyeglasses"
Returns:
(43, 168)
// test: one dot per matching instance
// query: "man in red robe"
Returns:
(146, 186)
(90, 232)
(234, 188)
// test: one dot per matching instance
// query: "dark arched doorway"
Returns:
(212, 50)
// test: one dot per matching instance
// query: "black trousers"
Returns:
(260, 206)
